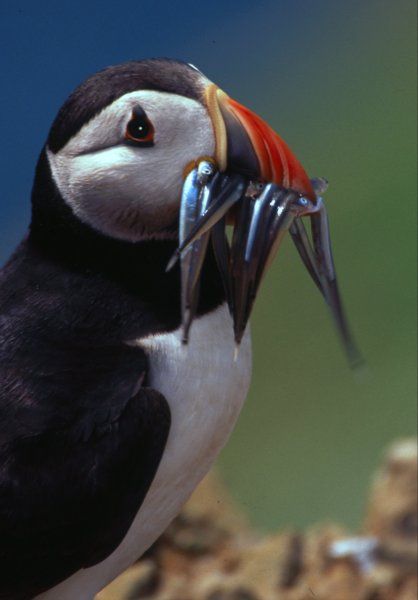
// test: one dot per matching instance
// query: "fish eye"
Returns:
(139, 129)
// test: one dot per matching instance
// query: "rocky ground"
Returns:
(211, 552)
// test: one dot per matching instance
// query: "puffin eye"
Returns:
(140, 129)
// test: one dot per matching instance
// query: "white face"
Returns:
(127, 191)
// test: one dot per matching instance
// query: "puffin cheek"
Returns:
(123, 196)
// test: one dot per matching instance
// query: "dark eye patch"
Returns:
(140, 130)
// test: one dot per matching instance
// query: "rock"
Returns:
(392, 515)
(210, 552)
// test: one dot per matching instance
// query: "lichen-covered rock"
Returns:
(211, 553)
(392, 515)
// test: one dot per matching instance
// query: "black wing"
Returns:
(80, 436)
(68, 497)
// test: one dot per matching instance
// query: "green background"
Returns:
(312, 431)
(337, 81)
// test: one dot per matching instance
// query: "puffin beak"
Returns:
(246, 144)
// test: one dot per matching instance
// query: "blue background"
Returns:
(337, 81)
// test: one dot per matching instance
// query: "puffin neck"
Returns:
(139, 268)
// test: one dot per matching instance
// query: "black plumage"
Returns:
(102, 88)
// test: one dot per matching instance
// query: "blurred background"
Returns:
(337, 80)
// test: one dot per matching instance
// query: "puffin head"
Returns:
(122, 144)
(125, 152)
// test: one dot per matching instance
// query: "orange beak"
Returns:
(246, 144)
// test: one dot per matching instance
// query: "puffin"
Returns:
(108, 420)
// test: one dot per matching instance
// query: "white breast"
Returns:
(205, 384)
